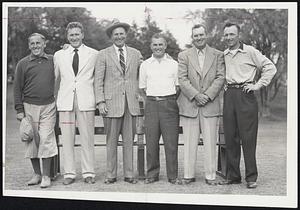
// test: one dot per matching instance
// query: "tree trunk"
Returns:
(264, 108)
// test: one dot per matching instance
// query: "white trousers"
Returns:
(209, 128)
(86, 123)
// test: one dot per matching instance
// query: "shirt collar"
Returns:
(203, 51)
(79, 48)
(240, 49)
(165, 57)
(117, 48)
(33, 57)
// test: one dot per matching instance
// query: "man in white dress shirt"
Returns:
(158, 79)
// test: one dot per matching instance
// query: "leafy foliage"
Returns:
(265, 29)
(52, 22)
(140, 38)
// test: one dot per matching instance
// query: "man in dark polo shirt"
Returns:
(34, 98)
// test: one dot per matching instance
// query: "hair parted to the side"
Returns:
(158, 36)
(74, 25)
(37, 34)
(200, 26)
(229, 24)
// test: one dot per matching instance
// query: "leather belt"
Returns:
(238, 85)
(161, 98)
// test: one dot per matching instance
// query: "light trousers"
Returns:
(43, 119)
(86, 123)
(192, 127)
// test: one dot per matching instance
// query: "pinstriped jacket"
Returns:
(111, 85)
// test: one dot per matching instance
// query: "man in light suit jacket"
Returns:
(116, 86)
(201, 75)
(76, 102)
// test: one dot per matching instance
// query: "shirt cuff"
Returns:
(20, 109)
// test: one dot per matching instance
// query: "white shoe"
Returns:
(36, 179)
(46, 182)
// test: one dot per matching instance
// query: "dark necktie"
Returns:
(75, 61)
(122, 60)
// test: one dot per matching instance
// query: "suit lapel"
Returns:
(128, 57)
(208, 60)
(114, 57)
(195, 60)
(68, 60)
(83, 60)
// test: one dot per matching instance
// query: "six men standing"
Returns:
(110, 80)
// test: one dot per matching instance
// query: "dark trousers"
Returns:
(162, 118)
(240, 124)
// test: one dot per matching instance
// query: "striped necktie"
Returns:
(122, 60)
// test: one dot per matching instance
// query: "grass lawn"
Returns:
(271, 160)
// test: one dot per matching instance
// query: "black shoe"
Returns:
(68, 181)
(151, 180)
(251, 185)
(130, 180)
(211, 182)
(175, 181)
(188, 180)
(89, 180)
(110, 180)
(228, 182)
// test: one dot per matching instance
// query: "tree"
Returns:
(51, 22)
(265, 29)
(140, 38)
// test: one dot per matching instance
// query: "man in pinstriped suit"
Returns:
(116, 89)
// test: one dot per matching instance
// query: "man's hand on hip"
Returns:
(251, 87)
(20, 116)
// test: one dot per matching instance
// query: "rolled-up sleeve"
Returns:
(267, 68)
(143, 76)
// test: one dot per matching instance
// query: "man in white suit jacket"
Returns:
(76, 102)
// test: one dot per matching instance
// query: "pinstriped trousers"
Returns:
(126, 126)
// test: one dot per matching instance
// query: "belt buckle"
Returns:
(157, 98)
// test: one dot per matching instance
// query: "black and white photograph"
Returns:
(160, 103)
